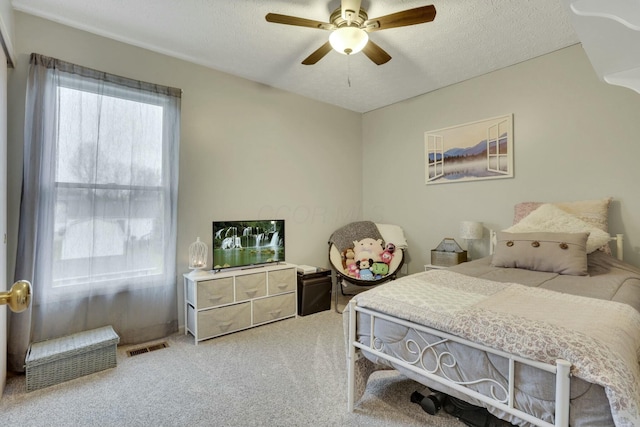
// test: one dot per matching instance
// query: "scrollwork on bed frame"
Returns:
(415, 348)
(375, 347)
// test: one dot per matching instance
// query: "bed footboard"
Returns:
(501, 398)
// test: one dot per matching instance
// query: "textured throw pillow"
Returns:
(594, 212)
(523, 209)
(562, 253)
(552, 219)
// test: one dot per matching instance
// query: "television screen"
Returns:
(247, 243)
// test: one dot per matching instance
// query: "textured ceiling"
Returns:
(468, 38)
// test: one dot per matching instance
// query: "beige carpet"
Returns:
(289, 373)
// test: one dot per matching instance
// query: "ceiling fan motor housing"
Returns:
(356, 20)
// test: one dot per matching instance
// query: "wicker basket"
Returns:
(61, 359)
(448, 259)
(448, 253)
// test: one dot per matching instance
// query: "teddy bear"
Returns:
(348, 258)
(387, 254)
(368, 248)
(364, 265)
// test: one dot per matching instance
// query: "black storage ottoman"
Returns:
(314, 292)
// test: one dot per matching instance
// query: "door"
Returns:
(3, 217)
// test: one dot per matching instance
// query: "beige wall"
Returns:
(247, 151)
(574, 138)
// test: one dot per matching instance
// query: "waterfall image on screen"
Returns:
(247, 243)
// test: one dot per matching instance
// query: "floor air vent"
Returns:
(147, 349)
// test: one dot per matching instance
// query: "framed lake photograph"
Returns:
(469, 152)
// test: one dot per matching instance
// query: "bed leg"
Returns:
(563, 382)
(351, 358)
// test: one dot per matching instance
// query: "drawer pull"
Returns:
(216, 298)
(283, 286)
(251, 292)
(224, 326)
(275, 314)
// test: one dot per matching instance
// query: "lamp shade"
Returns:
(471, 230)
(348, 40)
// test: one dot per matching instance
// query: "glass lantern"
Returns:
(198, 252)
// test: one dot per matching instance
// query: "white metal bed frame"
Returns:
(445, 359)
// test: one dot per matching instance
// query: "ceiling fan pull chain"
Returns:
(348, 71)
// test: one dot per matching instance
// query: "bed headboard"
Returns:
(618, 238)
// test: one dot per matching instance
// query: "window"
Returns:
(98, 215)
(109, 196)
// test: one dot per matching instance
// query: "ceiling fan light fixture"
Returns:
(348, 40)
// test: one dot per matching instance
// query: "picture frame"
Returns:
(479, 150)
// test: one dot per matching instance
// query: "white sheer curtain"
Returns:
(97, 235)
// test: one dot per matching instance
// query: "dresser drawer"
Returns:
(218, 321)
(282, 281)
(250, 286)
(272, 308)
(215, 292)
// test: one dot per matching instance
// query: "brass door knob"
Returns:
(18, 297)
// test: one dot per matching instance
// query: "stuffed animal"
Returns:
(380, 269)
(352, 270)
(387, 255)
(364, 265)
(348, 257)
(368, 248)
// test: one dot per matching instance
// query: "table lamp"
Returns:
(470, 231)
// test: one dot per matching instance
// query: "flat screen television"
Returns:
(238, 244)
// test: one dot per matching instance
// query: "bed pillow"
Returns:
(562, 253)
(594, 212)
(394, 234)
(552, 219)
(523, 209)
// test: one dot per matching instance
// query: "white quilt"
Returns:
(600, 338)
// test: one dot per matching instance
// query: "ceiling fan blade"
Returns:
(350, 9)
(298, 22)
(419, 15)
(376, 53)
(318, 54)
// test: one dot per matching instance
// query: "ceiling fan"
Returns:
(349, 25)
